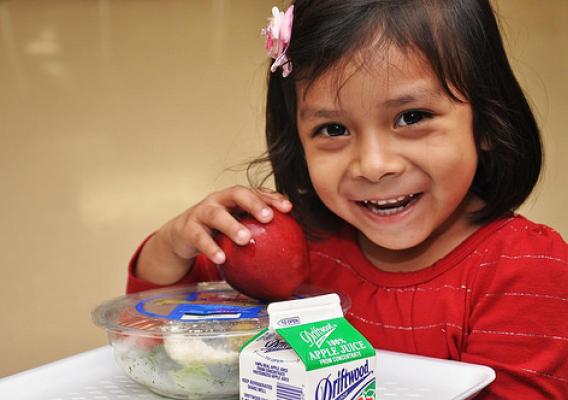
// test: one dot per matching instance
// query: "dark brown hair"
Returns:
(460, 39)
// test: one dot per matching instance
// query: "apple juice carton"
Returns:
(308, 352)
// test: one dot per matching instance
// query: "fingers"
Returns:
(192, 238)
(249, 201)
(275, 199)
(256, 202)
(191, 232)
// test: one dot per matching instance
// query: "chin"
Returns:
(396, 241)
(397, 245)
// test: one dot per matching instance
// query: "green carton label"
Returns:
(326, 343)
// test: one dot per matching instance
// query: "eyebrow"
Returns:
(308, 113)
(406, 97)
(414, 95)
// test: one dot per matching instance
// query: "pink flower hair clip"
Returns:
(278, 33)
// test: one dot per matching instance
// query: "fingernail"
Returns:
(242, 236)
(219, 257)
(265, 213)
(286, 203)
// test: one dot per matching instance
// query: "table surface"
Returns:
(93, 375)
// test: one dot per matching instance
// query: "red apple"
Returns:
(275, 262)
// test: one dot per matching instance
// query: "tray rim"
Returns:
(45, 371)
(487, 373)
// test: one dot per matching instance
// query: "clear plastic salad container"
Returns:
(184, 342)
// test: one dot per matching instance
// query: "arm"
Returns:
(202, 270)
(518, 323)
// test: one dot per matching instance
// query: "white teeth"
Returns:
(388, 201)
(378, 206)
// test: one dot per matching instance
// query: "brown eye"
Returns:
(332, 130)
(411, 118)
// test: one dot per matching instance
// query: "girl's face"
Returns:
(390, 153)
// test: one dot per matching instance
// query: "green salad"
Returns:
(183, 367)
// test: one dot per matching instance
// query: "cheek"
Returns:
(451, 152)
(450, 162)
(467, 158)
(325, 176)
(317, 173)
(458, 170)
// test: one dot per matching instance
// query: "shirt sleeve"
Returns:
(518, 323)
(203, 270)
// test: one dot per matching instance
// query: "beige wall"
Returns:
(116, 115)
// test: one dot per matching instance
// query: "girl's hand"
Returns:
(168, 255)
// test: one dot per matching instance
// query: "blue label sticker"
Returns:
(187, 311)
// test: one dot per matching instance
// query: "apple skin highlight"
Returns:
(273, 264)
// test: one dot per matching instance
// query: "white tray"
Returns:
(405, 376)
(94, 375)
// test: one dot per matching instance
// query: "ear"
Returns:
(485, 144)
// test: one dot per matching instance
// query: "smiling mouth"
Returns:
(390, 206)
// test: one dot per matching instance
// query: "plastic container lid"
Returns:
(204, 309)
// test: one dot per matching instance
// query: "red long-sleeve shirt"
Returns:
(498, 299)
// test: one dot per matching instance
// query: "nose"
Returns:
(375, 158)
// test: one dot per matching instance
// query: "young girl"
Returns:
(401, 138)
